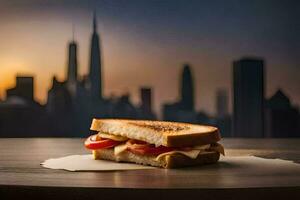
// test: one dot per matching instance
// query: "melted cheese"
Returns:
(112, 137)
(120, 148)
(201, 147)
(191, 154)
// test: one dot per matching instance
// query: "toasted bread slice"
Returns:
(170, 161)
(170, 134)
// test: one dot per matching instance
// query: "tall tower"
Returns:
(72, 67)
(95, 64)
(248, 98)
(187, 89)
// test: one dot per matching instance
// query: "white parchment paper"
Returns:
(87, 163)
(238, 163)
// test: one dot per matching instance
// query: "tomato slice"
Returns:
(142, 148)
(94, 142)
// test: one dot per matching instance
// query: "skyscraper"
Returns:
(95, 79)
(187, 89)
(248, 97)
(146, 99)
(72, 68)
(182, 110)
(59, 99)
(282, 118)
(24, 88)
(222, 103)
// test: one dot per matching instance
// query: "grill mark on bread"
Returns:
(162, 127)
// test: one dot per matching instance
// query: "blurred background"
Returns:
(233, 64)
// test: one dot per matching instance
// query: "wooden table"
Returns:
(21, 175)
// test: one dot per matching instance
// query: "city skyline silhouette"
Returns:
(209, 36)
(75, 101)
(181, 74)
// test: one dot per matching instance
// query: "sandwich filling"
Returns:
(121, 144)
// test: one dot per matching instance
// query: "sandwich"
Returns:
(155, 143)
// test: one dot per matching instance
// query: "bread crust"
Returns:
(179, 160)
(170, 134)
(170, 161)
(193, 139)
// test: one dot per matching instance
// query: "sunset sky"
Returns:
(146, 42)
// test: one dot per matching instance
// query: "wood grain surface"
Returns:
(22, 176)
